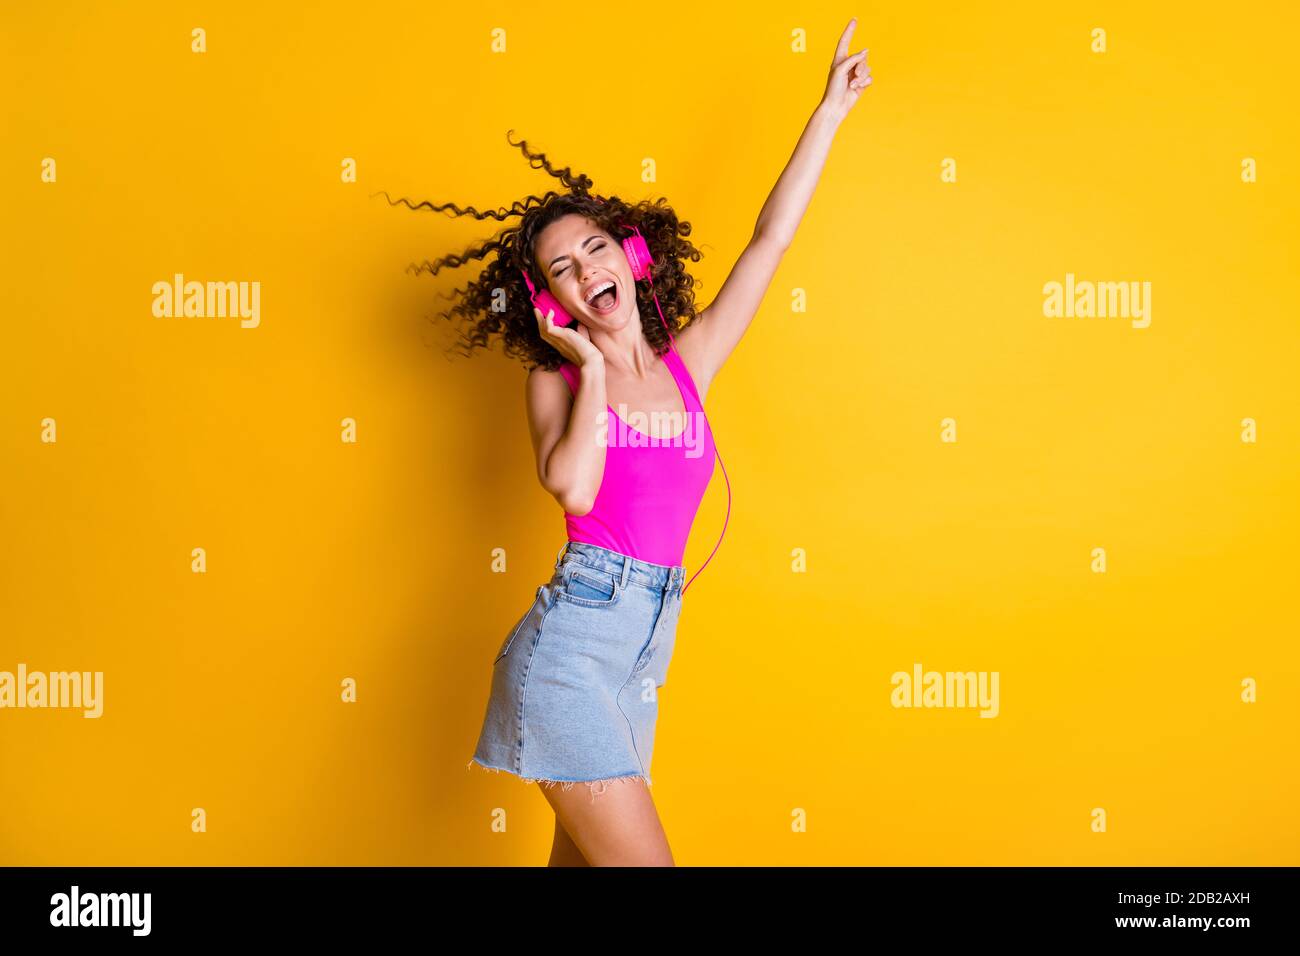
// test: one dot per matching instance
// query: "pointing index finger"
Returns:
(842, 50)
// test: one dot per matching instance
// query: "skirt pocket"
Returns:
(589, 587)
(514, 631)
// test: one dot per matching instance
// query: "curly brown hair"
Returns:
(497, 302)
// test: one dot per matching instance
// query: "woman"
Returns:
(573, 696)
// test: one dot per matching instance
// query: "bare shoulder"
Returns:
(691, 344)
(547, 395)
(537, 374)
(542, 382)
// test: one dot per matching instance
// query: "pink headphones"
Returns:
(639, 259)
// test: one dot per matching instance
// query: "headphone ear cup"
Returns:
(638, 256)
(546, 302)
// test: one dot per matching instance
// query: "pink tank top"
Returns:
(651, 488)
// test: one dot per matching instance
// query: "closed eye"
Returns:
(594, 249)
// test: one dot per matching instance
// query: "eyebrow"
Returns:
(586, 242)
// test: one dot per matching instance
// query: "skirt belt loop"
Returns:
(627, 571)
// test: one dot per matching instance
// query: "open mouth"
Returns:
(603, 299)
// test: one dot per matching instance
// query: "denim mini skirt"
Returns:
(575, 684)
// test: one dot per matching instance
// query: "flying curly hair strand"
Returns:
(497, 304)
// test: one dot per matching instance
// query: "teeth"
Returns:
(607, 284)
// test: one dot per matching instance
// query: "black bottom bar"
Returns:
(484, 906)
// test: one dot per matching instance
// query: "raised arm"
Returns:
(710, 340)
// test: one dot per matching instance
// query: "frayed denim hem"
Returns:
(592, 785)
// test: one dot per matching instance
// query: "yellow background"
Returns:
(373, 561)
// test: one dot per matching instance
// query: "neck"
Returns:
(626, 350)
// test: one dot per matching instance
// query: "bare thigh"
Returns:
(564, 852)
(620, 827)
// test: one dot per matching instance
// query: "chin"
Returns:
(617, 322)
(607, 323)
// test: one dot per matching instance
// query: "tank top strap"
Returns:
(682, 374)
